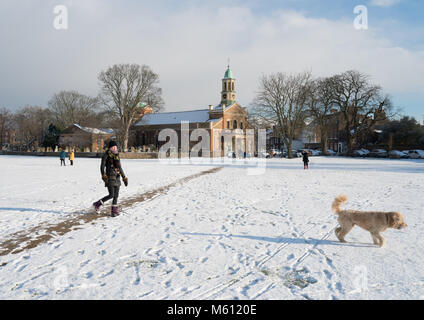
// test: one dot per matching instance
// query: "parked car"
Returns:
(396, 154)
(296, 154)
(361, 153)
(276, 153)
(315, 152)
(231, 154)
(404, 155)
(264, 155)
(311, 152)
(416, 154)
(331, 153)
(379, 153)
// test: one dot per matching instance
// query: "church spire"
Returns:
(228, 94)
(228, 73)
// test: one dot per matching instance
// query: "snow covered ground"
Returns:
(217, 235)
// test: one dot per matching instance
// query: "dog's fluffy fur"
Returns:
(372, 221)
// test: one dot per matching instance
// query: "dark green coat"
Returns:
(111, 166)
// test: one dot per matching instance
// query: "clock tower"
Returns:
(228, 94)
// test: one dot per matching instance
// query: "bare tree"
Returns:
(320, 104)
(281, 102)
(127, 88)
(70, 107)
(5, 121)
(361, 103)
(30, 123)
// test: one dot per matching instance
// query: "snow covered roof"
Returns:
(94, 130)
(195, 116)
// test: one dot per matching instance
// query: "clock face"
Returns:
(224, 96)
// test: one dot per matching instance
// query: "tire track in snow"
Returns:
(332, 285)
(209, 293)
(309, 251)
(279, 248)
(312, 249)
(29, 239)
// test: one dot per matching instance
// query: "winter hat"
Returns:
(112, 144)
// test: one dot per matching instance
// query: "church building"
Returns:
(226, 124)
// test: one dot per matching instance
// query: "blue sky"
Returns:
(391, 20)
(188, 43)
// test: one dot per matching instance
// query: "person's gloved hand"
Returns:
(125, 181)
(104, 178)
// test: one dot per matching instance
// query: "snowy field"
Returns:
(220, 234)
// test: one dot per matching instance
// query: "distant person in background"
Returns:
(305, 158)
(71, 157)
(62, 158)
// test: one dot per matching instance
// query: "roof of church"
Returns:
(194, 116)
(94, 130)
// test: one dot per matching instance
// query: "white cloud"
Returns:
(189, 49)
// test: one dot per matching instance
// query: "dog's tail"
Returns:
(341, 199)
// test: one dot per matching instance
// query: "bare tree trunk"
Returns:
(5, 118)
(348, 139)
(126, 138)
(390, 142)
(290, 148)
(324, 142)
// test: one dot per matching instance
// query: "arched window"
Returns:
(241, 125)
(232, 86)
(225, 86)
(235, 124)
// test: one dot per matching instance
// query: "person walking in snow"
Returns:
(111, 171)
(71, 157)
(305, 158)
(62, 158)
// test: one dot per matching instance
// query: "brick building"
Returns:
(228, 117)
(85, 138)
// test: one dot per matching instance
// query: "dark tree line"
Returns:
(405, 133)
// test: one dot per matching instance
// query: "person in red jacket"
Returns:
(111, 171)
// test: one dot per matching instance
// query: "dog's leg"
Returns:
(382, 240)
(343, 231)
(378, 239)
(337, 231)
(374, 239)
